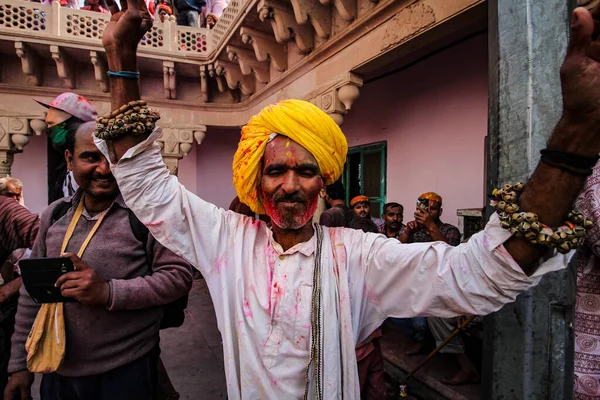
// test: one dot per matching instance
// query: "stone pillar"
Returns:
(175, 143)
(528, 345)
(14, 136)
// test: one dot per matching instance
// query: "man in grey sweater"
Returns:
(120, 287)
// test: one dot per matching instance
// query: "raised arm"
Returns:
(434, 279)
(120, 40)
(552, 189)
(190, 227)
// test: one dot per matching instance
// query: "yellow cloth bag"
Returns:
(46, 342)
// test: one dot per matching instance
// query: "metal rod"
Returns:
(441, 346)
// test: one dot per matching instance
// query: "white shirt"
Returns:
(262, 295)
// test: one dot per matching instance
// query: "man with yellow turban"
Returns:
(293, 300)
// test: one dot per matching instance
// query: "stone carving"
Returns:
(317, 13)
(16, 124)
(346, 8)
(38, 126)
(347, 94)
(6, 162)
(408, 23)
(64, 66)
(284, 24)
(248, 63)
(327, 101)
(170, 81)
(234, 77)
(200, 134)
(100, 68)
(204, 83)
(30, 62)
(176, 143)
(337, 96)
(14, 136)
(265, 47)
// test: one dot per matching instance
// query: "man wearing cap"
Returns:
(361, 207)
(65, 113)
(427, 226)
(293, 300)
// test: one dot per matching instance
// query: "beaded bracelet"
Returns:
(134, 117)
(526, 224)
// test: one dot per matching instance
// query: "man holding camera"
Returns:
(427, 226)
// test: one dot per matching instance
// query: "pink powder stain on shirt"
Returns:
(502, 251)
(221, 262)
(247, 311)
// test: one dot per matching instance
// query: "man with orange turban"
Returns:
(362, 208)
(293, 299)
(427, 226)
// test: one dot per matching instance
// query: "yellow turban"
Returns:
(300, 121)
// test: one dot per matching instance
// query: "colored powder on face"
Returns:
(291, 220)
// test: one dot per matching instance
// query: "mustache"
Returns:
(289, 198)
(107, 177)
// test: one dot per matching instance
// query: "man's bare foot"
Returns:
(461, 378)
(416, 348)
(467, 373)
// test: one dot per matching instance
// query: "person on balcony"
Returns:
(213, 11)
(64, 3)
(188, 12)
(293, 300)
(164, 11)
(94, 5)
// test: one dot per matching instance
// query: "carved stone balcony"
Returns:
(259, 52)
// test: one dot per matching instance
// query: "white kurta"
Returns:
(262, 295)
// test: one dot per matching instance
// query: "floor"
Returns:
(192, 353)
(394, 345)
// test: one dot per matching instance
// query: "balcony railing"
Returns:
(60, 24)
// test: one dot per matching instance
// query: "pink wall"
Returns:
(434, 118)
(31, 168)
(213, 166)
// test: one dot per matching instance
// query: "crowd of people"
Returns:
(193, 13)
(299, 304)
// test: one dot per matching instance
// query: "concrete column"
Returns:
(528, 345)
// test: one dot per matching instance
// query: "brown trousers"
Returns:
(370, 375)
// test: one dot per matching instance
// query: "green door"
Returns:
(365, 174)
